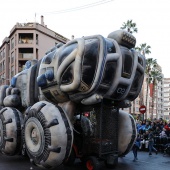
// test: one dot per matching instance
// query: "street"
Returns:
(145, 162)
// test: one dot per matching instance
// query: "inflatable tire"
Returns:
(70, 161)
(11, 121)
(92, 163)
(48, 135)
(12, 100)
(127, 133)
(2, 94)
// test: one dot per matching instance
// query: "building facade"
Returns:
(26, 41)
(159, 102)
(167, 98)
(161, 98)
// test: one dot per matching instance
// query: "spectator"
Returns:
(147, 126)
(167, 127)
(157, 131)
(151, 142)
(145, 141)
(136, 147)
(153, 126)
(163, 133)
(159, 124)
(141, 128)
(138, 126)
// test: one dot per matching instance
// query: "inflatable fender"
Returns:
(8, 91)
(127, 133)
(21, 84)
(12, 101)
(69, 108)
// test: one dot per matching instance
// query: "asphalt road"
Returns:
(145, 162)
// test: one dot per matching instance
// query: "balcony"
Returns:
(26, 56)
(25, 38)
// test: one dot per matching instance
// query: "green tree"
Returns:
(130, 26)
(145, 49)
(156, 77)
(151, 64)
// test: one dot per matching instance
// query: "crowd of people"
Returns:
(152, 136)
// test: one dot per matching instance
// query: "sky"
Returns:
(91, 17)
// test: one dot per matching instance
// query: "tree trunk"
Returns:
(146, 103)
(133, 107)
(153, 98)
(141, 97)
(141, 101)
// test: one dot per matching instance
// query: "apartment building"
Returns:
(26, 41)
(159, 106)
(167, 98)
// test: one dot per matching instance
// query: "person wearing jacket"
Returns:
(151, 142)
(136, 147)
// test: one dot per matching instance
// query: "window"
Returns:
(3, 53)
(136, 109)
(12, 57)
(12, 71)
(36, 38)
(12, 43)
(0, 67)
(3, 65)
(25, 38)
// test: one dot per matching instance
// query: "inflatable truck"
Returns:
(69, 104)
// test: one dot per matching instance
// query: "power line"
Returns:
(79, 7)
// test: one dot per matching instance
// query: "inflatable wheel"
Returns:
(127, 133)
(92, 163)
(70, 161)
(48, 135)
(11, 121)
(113, 165)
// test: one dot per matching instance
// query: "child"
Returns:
(151, 142)
(136, 147)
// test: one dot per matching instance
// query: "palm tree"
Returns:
(156, 77)
(145, 49)
(151, 64)
(130, 26)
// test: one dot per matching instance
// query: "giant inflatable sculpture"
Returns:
(67, 105)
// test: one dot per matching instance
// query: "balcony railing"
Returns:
(25, 56)
(25, 41)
